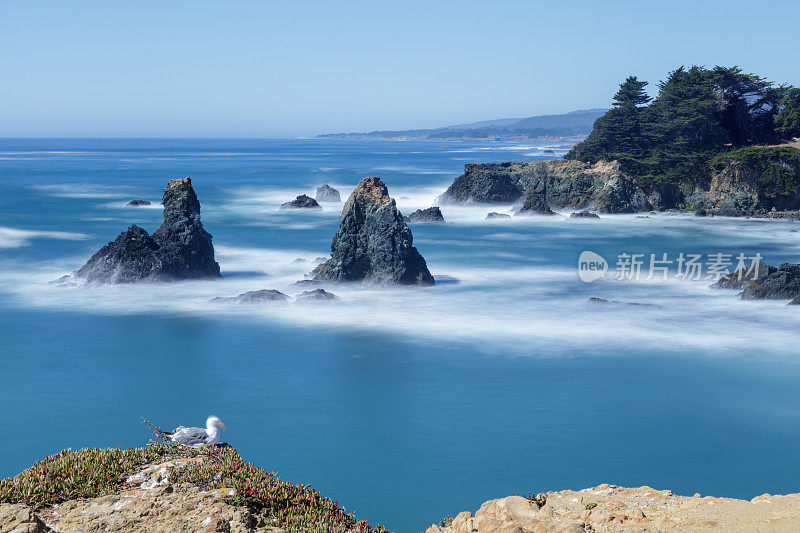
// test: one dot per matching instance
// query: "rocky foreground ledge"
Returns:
(163, 488)
(609, 508)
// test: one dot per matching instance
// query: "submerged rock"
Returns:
(316, 294)
(136, 203)
(374, 244)
(430, 215)
(783, 283)
(584, 214)
(302, 202)
(743, 277)
(253, 297)
(326, 193)
(179, 249)
(495, 215)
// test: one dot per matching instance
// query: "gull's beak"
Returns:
(222, 424)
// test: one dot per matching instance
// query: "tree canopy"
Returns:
(697, 114)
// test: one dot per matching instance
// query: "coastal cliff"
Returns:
(574, 184)
(754, 182)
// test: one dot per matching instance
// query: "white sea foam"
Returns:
(84, 190)
(15, 238)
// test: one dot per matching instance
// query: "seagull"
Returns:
(197, 437)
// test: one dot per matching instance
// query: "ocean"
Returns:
(404, 404)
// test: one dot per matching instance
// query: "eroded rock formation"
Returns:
(179, 249)
(302, 202)
(374, 244)
(326, 193)
(429, 215)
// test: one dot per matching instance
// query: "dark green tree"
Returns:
(787, 121)
(631, 93)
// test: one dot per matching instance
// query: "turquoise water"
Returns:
(405, 405)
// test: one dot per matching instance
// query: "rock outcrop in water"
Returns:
(302, 202)
(583, 214)
(744, 277)
(495, 215)
(558, 183)
(429, 216)
(254, 297)
(179, 249)
(374, 244)
(326, 193)
(781, 284)
(137, 203)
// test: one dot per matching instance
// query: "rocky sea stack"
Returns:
(374, 244)
(326, 193)
(179, 249)
(302, 202)
(430, 215)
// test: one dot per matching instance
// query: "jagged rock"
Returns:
(316, 294)
(374, 244)
(583, 214)
(597, 300)
(302, 202)
(784, 283)
(535, 200)
(743, 277)
(19, 518)
(495, 215)
(563, 183)
(430, 215)
(135, 203)
(179, 249)
(326, 193)
(254, 297)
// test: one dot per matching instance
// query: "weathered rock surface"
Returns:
(535, 200)
(179, 249)
(609, 508)
(430, 215)
(136, 203)
(374, 244)
(302, 202)
(316, 294)
(560, 182)
(496, 215)
(326, 193)
(743, 277)
(583, 214)
(782, 284)
(150, 504)
(254, 297)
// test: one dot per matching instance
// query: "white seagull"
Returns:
(198, 437)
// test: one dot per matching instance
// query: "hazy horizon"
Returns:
(242, 70)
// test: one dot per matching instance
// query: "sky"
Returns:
(109, 68)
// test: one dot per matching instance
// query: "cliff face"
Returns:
(562, 183)
(180, 249)
(749, 182)
(374, 244)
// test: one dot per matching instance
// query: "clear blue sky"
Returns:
(274, 68)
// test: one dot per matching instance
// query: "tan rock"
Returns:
(18, 518)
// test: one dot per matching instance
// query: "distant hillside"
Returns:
(568, 126)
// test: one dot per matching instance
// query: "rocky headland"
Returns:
(544, 184)
(179, 249)
(374, 244)
(740, 185)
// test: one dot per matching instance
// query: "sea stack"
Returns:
(374, 243)
(179, 249)
(326, 193)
